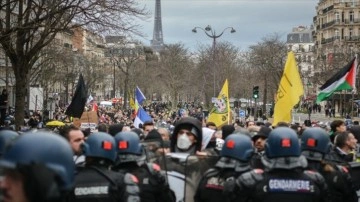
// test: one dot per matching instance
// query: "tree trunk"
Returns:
(126, 89)
(208, 97)
(265, 96)
(21, 83)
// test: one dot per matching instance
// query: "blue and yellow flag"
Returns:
(220, 112)
(289, 91)
(141, 114)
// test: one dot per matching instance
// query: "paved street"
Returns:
(300, 117)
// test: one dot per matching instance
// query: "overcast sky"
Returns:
(252, 19)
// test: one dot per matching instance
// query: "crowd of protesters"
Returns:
(326, 154)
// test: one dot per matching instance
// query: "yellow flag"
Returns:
(219, 113)
(289, 91)
(132, 102)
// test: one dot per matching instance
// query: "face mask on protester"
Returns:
(183, 142)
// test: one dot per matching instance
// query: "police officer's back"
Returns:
(234, 160)
(152, 182)
(284, 177)
(315, 144)
(96, 182)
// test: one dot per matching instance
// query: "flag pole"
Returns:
(355, 87)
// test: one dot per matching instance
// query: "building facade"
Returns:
(337, 40)
(301, 42)
(337, 28)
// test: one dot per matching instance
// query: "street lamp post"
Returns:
(114, 86)
(212, 34)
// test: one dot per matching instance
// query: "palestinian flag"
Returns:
(342, 80)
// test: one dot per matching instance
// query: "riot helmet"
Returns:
(282, 142)
(282, 150)
(237, 146)
(6, 136)
(46, 161)
(128, 143)
(315, 143)
(100, 145)
(128, 147)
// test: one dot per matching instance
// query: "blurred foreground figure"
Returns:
(38, 167)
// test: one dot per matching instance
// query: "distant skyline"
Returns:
(252, 20)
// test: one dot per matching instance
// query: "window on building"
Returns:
(337, 34)
(301, 48)
(303, 58)
(351, 16)
(337, 17)
(350, 33)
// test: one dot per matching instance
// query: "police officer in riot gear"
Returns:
(152, 182)
(37, 167)
(315, 144)
(234, 160)
(96, 182)
(285, 177)
(6, 136)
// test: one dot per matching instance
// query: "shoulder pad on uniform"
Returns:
(153, 168)
(258, 171)
(342, 169)
(130, 179)
(155, 171)
(131, 184)
(250, 178)
(211, 172)
(314, 175)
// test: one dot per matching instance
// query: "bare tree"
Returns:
(268, 58)
(214, 66)
(126, 58)
(26, 27)
(175, 70)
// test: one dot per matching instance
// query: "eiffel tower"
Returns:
(157, 42)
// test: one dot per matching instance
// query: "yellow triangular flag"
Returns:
(219, 113)
(289, 91)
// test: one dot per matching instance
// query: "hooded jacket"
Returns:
(187, 122)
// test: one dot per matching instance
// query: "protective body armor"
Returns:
(283, 185)
(211, 186)
(151, 181)
(99, 184)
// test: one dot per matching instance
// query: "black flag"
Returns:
(76, 107)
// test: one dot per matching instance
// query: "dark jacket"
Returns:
(99, 184)
(337, 157)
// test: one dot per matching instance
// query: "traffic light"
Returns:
(256, 92)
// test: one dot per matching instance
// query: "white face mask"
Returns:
(183, 142)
